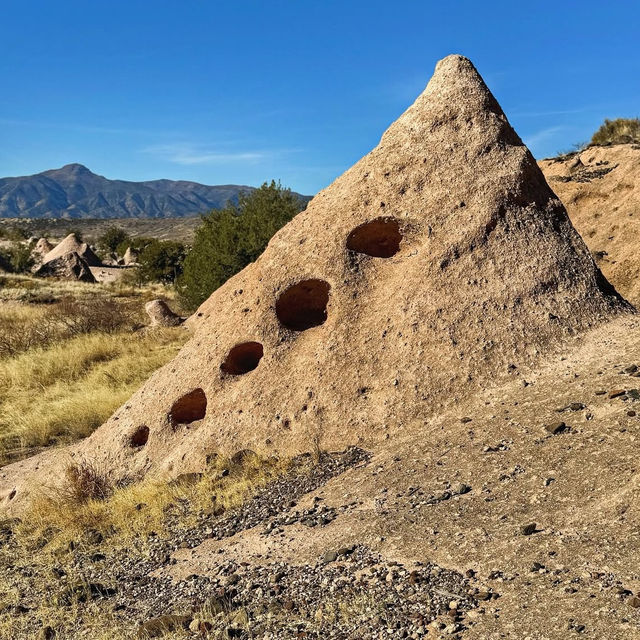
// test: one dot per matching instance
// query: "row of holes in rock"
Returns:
(302, 306)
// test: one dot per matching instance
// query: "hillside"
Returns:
(599, 187)
(75, 192)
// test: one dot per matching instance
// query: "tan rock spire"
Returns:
(438, 263)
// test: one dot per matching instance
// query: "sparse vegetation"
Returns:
(91, 515)
(112, 238)
(81, 355)
(231, 238)
(618, 131)
(16, 258)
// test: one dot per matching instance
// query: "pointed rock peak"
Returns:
(456, 99)
(75, 167)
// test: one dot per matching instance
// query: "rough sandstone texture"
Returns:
(599, 188)
(489, 276)
(68, 266)
(161, 315)
(72, 244)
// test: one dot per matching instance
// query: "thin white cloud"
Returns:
(185, 153)
(539, 137)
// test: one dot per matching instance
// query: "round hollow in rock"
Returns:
(303, 305)
(379, 238)
(244, 357)
(140, 436)
(190, 407)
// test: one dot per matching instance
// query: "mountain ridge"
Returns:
(75, 192)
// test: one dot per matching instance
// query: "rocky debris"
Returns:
(161, 315)
(556, 427)
(70, 266)
(285, 491)
(281, 601)
(528, 529)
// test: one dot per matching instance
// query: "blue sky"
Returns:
(297, 90)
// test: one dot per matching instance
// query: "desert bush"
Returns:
(13, 232)
(85, 481)
(23, 328)
(16, 259)
(161, 261)
(112, 238)
(231, 238)
(618, 131)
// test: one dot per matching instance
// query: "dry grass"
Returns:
(61, 523)
(64, 391)
(618, 131)
(124, 513)
(65, 366)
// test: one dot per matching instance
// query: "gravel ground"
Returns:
(347, 593)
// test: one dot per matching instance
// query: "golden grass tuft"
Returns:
(63, 392)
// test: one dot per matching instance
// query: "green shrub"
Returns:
(618, 131)
(231, 238)
(161, 261)
(139, 244)
(16, 259)
(112, 238)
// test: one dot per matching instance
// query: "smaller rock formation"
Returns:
(161, 315)
(131, 256)
(43, 246)
(70, 266)
(72, 244)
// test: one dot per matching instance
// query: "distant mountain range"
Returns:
(75, 192)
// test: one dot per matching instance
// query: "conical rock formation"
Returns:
(72, 244)
(161, 315)
(69, 266)
(438, 263)
(43, 246)
(130, 256)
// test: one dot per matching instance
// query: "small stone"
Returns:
(528, 529)
(465, 419)
(634, 602)
(330, 556)
(556, 427)
(632, 368)
(616, 393)
(631, 413)
(460, 489)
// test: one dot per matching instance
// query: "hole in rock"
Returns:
(303, 305)
(242, 358)
(140, 436)
(190, 407)
(379, 238)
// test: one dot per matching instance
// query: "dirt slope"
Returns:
(438, 262)
(599, 188)
(574, 576)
